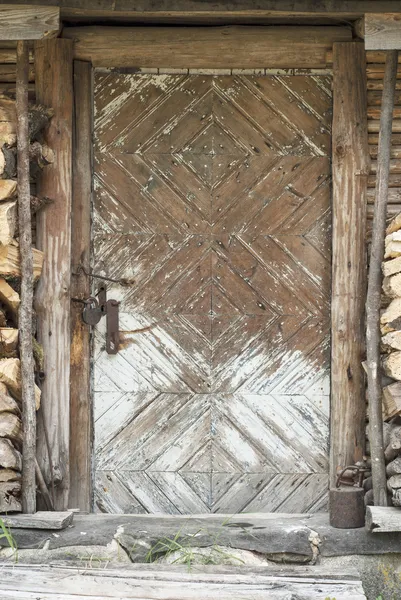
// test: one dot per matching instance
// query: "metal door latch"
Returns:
(97, 307)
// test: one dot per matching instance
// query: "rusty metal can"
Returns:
(347, 507)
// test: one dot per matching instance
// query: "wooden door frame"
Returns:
(349, 136)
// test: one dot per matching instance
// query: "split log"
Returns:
(7, 403)
(38, 203)
(394, 483)
(10, 458)
(394, 225)
(40, 155)
(391, 285)
(7, 110)
(394, 445)
(3, 319)
(10, 374)
(8, 221)
(392, 249)
(9, 475)
(369, 498)
(396, 498)
(10, 261)
(391, 267)
(367, 484)
(392, 400)
(390, 318)
(8, 189)
(10, 493)
(392, 340)
(392, 365)
(8, 135)
(38, 117)
(10, 298)
(8, 340)
(394, 467)
(11, 427)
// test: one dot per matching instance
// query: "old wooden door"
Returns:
(213, 194)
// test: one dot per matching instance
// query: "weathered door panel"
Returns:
(213, 194)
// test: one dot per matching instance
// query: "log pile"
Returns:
(10, 369)
(390, 326)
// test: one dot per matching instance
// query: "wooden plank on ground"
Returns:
(382, 31)
(212, 47)
(54, 89)
(80, 404)
(154, 583)
(350, 164)
(383, 519)
(39, 520)
(27, 22)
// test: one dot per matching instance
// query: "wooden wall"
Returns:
(375, 74)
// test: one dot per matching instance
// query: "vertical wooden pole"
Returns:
(53, 64)
(379, 479)
(26, 308)
(81, 411)
(350, 165)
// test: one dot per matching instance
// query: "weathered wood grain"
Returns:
(54, 89)
(40, 520)
(228, 47)
(80, 403)
(152, 583)
(213, 194)
(350, 167)
(28, 22)
(381, 519)
(382, 32)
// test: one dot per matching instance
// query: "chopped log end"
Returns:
(10, 494)
(9, 475)
(10, 457)
(392, 399)
(10, 375)
(391, 267)
(392, 365)
(11, 427)
(394, 225)
(38, 116)
(10, 261)
(8, 189)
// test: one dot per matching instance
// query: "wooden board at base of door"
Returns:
(213, 194)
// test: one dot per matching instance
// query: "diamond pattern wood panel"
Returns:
(213, 193)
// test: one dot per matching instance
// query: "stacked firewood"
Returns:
(10, 371)
(390, 324)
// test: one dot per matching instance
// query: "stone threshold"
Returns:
(280, 537)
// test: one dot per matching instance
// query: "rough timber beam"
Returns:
(382, 32)
(28, 22)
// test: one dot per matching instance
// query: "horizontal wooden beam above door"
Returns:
(133, 9)
(28, 22)
(199, 47)
(382, 32)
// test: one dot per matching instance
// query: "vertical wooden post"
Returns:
(53, 60)
(350, 164)
(81, 412)
(379, 478)
(26, 308)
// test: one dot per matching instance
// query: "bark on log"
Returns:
(9, 475)
(394, 444)
(8, 189)
(10, 458)
(40, 155)
(394, 467)
(8, 221)
(367, 484)
(10, 298)
(8, 340)
(10, 493)
(10, 375)
(10, 265)
(27, 282)
(11, 427)
(396, 499)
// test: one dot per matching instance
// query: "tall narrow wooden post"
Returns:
(81, 409)
(350, 164)
(379, 478)
(25, 311)
(53, 67)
